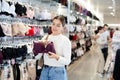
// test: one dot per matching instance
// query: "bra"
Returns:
(1, 57)
(39, 47)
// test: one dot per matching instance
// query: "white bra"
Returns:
(7, 8)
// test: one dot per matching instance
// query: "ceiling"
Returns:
(103, 8)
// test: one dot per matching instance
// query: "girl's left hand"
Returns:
(53, 55)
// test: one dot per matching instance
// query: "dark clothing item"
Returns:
(16, 72)
(6, 13)
(9, 52)
(1, 57)
(1, 32)
(20, 9)
(38, 71)
(116, 71)
(46, 29)
(39, 47)
(21, 51)
(105, 53)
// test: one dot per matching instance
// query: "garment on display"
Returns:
(80, 9)
(31, 31)
(37, 31)
(94, 17)
(30, 12)
(1, 57)
(72, 19)
(76, 7)
(84, 11)
(10, 52)
(20, 9)
(6, 29)
(19, 29)
(78, 21)
(45, 15)
(1, 32)
(7, 9)
(25, 70)
(89, 14)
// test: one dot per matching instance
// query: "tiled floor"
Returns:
(85, 68)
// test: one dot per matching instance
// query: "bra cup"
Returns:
(38, 48)
(50, 48)
(5, 6)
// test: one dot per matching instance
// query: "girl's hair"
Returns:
(98, 29)
(61, 18)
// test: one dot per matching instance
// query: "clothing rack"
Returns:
(4, 41)
(24, 20)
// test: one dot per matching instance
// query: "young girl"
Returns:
(54, 63)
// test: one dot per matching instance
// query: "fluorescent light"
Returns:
(112, 14)
(77, 13)
(71, 11)
(110, 7)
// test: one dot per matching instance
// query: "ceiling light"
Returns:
(112, 14)
(71, 11)
(77, 13)
(81, 13)
(110, 7)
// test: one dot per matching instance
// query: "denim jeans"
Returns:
(105, 53)
(53, 73)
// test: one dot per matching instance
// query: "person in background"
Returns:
(54, 63)
(117, 28)
(111, 32)
(104, 47)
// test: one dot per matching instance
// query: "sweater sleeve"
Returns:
(66, 58)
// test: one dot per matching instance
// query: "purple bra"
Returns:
(39, 47)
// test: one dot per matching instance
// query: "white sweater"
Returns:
(63, 48)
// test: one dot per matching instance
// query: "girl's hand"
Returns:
(53, 55)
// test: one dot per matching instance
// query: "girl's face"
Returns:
(56, 27)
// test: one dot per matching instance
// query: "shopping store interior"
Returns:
(24, 21)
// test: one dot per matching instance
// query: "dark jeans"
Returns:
(105, 53)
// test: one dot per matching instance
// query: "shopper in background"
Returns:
(54, 63)
(105, 36)
(107, 39)
(111, 32)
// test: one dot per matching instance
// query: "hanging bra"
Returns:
(39, 47)
(7, 30)
(1, 57)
